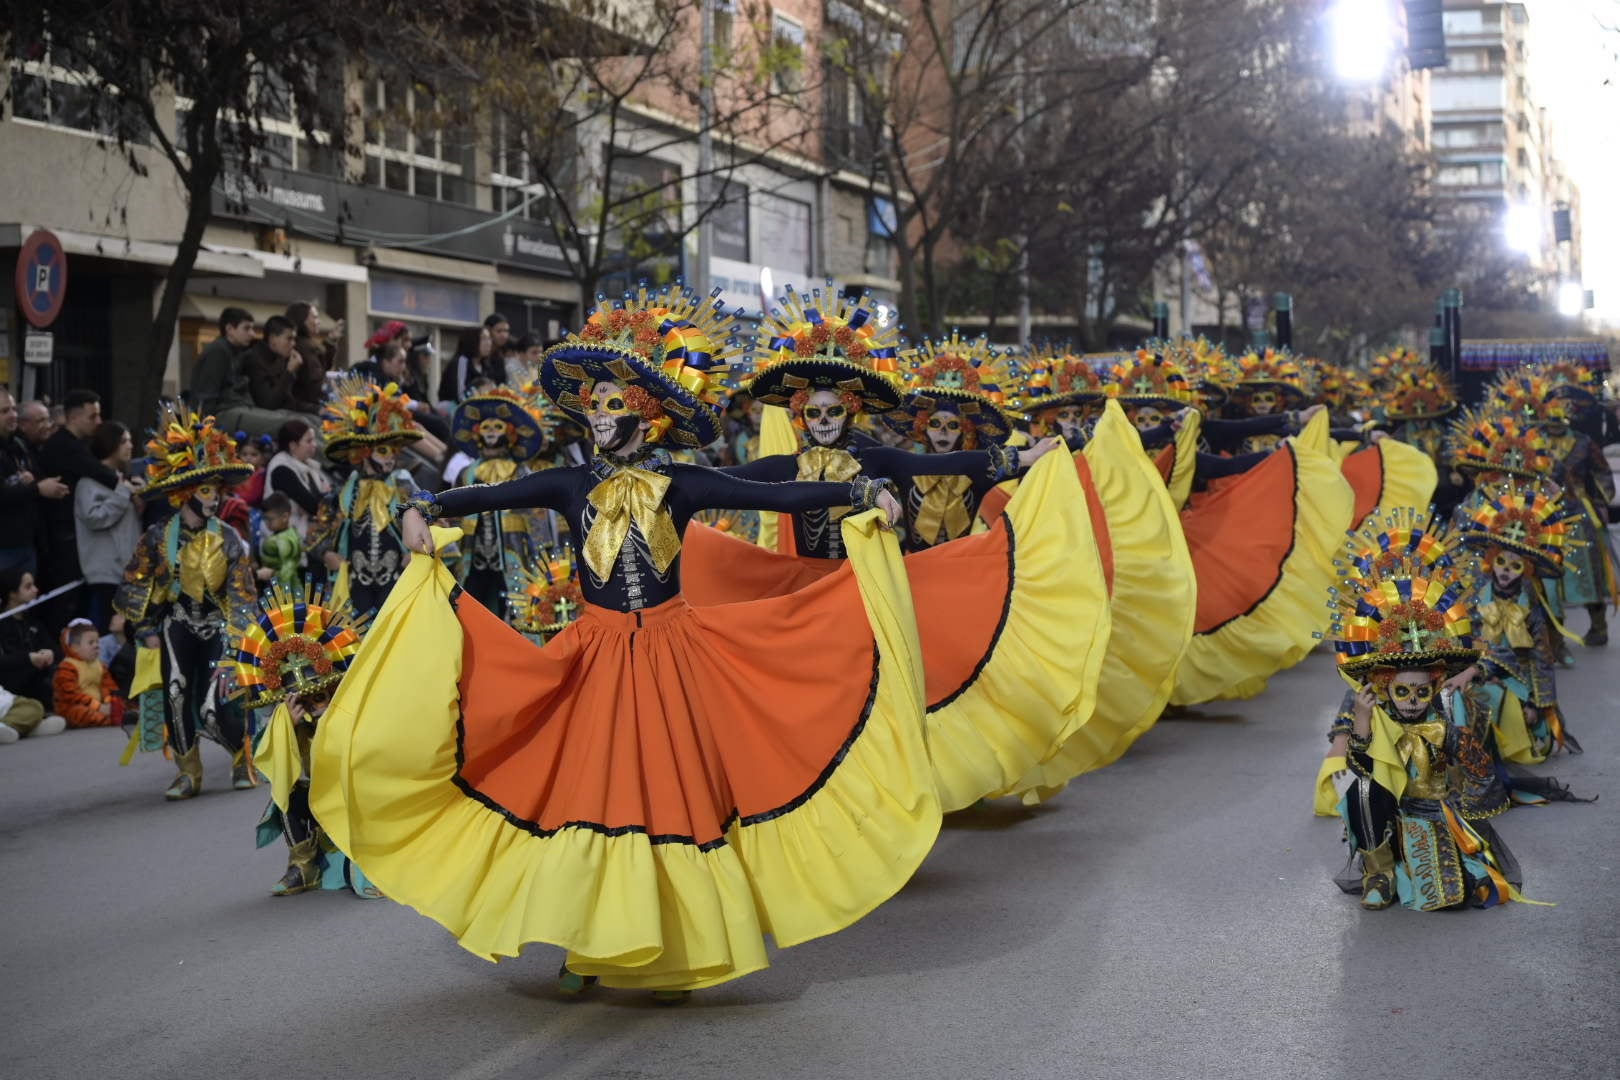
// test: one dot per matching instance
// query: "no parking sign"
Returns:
(41, 277)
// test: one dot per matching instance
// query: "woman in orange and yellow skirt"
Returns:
(660, 786)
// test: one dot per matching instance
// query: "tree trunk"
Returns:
(205, 169)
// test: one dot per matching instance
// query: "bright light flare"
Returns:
(1363, 37)
(1523, 229)
(1571, 299)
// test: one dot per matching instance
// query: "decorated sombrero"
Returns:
(301, 643)
(965, 376)
(670, 345)
(1052, 377)
(187, 451)
(360, 415)
(1341, 387)
(1484, 442)
(1419, 394)
(1403, 599)
(1214, 374)
(1275, 371)
(1146, 378)
(825, 341)
(545, 597)
(521, 426)
(1528, 517)
(1385, 367)
(1571, 379)
(1529, 396)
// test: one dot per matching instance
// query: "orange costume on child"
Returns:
(81, 688)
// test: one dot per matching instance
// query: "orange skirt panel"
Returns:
(960, 591)
(672, 721)
(1239, 537)
(1364, 469)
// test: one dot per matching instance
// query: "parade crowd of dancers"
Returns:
(652, 711)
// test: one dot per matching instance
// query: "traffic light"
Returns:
(1425, 34)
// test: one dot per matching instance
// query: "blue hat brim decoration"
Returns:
(992, 422)
(776, 383)
(473, 411)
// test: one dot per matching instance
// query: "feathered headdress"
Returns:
(1403, 598)
(1147, 378)
(1486, 443)
(1529, 517)
(966, 376)
(1276, 371)
(1419, 394)
(1339, 386)
(672, 346)
(1385, 367)
(1529, 396)
(826, 341)
(1053, 377)
(300, 643)
(1570, 378)
(187, 451)
(360, 414)
(546, 596)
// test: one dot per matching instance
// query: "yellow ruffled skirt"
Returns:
(653, 792)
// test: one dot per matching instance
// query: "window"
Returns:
(407, 152)
(787, 54)
(517, 174)
(1463, 22)
(49, 90)
(784, 227)
(729, 221)
(1464, 61)
(725, 24)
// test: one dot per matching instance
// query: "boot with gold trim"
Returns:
(1378, 877)
(303, 869)
(188, 785)
(242, 771)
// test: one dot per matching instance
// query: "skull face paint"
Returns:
(204, 501)
(944, 432)
(1066, 420)
(492, 434)
(1411, 693)
(825, 417)
(1146, 417)
(1507, 570)
(1264, 402)
(613, 422)
(381, 460)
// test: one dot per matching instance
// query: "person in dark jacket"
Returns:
(22, 489)
(319, 352)
(260, 399)
(67, 454)
(472, 362)
(217, 364)
(27, 659)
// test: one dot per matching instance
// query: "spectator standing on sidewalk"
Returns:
(22, 490)
(67, 454)
(319, 352)
(107, 521)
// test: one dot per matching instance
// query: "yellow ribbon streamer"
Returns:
(377, 496)
(630, 495)
(1506, 620)
(942, 504)
(278, 756)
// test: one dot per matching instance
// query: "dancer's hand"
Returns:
(332, 561)
(1461, 680)
(1361, 713)
(413, 529)
(890, 507)
(1306, 414)
(1030, 456)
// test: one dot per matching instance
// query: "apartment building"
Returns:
(435, 228)
(1493, 145)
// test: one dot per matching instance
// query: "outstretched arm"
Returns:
(544, 490)
(771, 469)
(698, 488)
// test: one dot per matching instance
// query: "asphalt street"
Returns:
(1171, 916)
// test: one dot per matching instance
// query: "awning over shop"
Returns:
(321, 269)
(1495, 355)
(146, 252)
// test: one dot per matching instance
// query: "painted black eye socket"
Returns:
(831, 412)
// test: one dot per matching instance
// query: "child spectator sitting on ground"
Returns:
(281, 554)
(86, 693)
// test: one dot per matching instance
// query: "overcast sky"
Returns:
(1572, 57)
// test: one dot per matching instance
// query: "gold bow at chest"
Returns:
(828, 463)
(943, 504)
(1424, 782)
(1505, 620)
(202, 565)
(630, 495)
(494, 470)
(376, 497)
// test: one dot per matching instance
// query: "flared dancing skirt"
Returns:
(1263, 549)
(1014, 624)
(1388, 475)
(653, 791)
